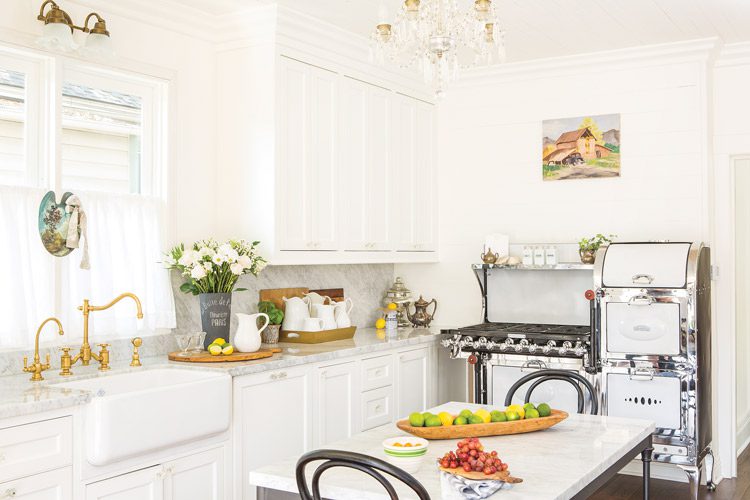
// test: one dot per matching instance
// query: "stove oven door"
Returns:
(650, 394)
(638, 325)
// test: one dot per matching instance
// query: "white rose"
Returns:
(236, 268)
(188, 258)
(245, 261)
(206, 252)
(198, 273)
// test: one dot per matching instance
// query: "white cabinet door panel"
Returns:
(35, 447)
(413, 381)
(144, 484)
(53, 485)
(196, 477)
(337, 403)
(377, 407)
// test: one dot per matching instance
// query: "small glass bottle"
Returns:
(539, 256)
(550, 255)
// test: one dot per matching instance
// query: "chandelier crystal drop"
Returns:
(440, 37)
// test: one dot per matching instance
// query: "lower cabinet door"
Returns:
(144, 484)
(413, 381)
(336, 394)
(196, 477)
(377, 407)
(53, 485)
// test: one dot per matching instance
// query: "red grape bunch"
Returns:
(471, 457)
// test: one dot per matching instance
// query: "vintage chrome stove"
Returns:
(534, 318)
(654, 318)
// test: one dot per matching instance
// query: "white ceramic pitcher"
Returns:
(247, 338)
(295, 312)
(325, 312)
(342, 311)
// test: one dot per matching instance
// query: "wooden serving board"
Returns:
(336, 294)
(276, 295)
(206, 357)
(482, 430)
(299, 337)
(481, 476)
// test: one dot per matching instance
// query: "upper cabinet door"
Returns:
(307, 151)
(415, 180)
(365, 166)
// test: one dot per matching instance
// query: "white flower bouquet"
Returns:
(211, 267)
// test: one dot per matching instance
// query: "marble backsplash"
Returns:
(365, 284)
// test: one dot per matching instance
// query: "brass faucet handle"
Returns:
(26, 364)
(66, 361)
(103, 357)
(136, 359)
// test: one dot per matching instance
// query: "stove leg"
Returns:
(709, 461)
(694, 478)
(646, 459)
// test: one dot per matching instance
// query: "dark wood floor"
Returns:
(625, 487)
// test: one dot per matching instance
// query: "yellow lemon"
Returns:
(214, 349)
(219, 341)
(484, 415)
(227, 349)
(380, 323)
(518, 409)
(446, 418)
(392, 306)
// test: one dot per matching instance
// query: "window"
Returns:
(98, 134)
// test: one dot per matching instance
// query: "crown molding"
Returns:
(734, 54)
(704, 50)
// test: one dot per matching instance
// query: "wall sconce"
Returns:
(59, 27)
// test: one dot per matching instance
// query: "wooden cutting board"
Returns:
(206, 357)
(276, 295)
(481, 476)
(336, 294)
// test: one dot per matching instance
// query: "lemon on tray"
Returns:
(214, 349)
(446, 418)
(518, 409)
(484, 415)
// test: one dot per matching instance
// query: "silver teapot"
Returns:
(421, 318)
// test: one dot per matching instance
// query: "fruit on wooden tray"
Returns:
(481, 416)
(220, 347)
(471, 456)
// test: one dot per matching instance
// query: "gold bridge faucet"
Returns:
(38, 367)
(85, 355)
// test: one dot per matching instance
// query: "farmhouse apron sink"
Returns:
(140, 412)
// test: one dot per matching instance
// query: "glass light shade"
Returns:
(57, 36)
(98, 46)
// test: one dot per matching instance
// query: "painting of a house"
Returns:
(581, 149)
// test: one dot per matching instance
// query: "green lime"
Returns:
(460, 420)
(512, 416)
(544, 410)
(529, 406)
(497, 416)
(427, 415)
(465, 413)
(416, 420)
(476, 419)
(433, 421)
(532, 413)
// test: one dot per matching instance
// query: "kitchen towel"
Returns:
(458, 488)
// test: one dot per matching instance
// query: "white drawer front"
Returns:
(656, 399)
(377, 372)
(643, 329)
(38, 447)
(646, 265)
(377, 407)
(53, 485)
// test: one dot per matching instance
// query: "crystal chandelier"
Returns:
(441, 38)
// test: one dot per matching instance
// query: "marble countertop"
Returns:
(554, 464)
(19, 396)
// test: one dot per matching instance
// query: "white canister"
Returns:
(538, 256)
(550, 255)
(528, 256)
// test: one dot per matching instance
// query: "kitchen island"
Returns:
(569, 460)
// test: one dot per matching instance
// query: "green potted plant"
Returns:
(275, 316)
(587, 247)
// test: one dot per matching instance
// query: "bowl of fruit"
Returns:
(406, 452)
(515, 419)
(472, 461)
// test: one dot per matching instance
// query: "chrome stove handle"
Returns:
(547, 348)
(641, 300)
(540, 365)
(646, 374)
(643, 279)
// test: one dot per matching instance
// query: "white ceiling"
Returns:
(546, 28)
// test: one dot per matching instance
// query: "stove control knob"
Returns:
(522, 345)
(533, 348)
(481, 342)
(468, 341)
(547, 348)
(565, 347)
(491, 345)
(503, 346)
(579, 350)
(472, 359)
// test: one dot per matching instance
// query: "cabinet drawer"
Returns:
(54, 485)
(377, 407)
(31, 448)
(377, 372)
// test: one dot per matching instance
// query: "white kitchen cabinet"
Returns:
(413, 381)
(337, 404)
(272, 421)
(144, 484)
(366, 166)
(308, 128)
(200, 476)
(415, 182)
(53, 485)
(377, 407)
(35, 447)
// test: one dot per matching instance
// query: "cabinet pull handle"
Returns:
(9, 493)
(646, 374)
(643, 279)
(641, 300)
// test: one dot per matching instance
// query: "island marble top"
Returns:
(554, 464)
(19, 396)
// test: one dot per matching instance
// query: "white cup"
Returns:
(326, 313)
(312, 325)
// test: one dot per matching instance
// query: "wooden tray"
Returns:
(317, 337)
(276, 295)
(205, 357)
(503, 476)
(482, 430)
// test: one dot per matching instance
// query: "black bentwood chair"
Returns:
(573, 378)
(364, 463)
